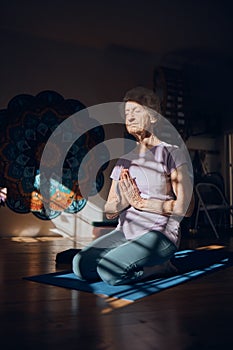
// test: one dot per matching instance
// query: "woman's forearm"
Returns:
(113, 208)
(166, 208)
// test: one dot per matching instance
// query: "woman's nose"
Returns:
(130, 117)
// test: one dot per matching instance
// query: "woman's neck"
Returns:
(147, 143)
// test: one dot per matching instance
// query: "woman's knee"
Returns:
(80, 265)
(85, 263)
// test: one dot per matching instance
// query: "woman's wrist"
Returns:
(111, 216)
(139, 203)
(151, 205)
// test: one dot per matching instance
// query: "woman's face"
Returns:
(137, 119)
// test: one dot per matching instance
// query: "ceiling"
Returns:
(194, 33)
(193, 29)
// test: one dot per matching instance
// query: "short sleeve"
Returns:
(176, 158)
(121, 163)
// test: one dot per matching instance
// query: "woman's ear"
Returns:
(153, 119)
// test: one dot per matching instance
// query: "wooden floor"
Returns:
(194, 315)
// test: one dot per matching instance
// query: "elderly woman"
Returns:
(151, 192)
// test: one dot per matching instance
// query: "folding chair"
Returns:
(211, 200)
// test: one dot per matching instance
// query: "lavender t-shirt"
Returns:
(152, 172)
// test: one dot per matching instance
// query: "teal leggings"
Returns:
(116, 260)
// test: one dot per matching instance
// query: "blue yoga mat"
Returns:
(190, 264)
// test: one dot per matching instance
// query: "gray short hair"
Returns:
(144, 97)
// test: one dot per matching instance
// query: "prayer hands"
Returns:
(129, 187)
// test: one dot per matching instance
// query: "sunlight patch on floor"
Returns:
(35, 239)
(211, 247)
(114, 303)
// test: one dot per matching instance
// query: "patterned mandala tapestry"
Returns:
(26, 126)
